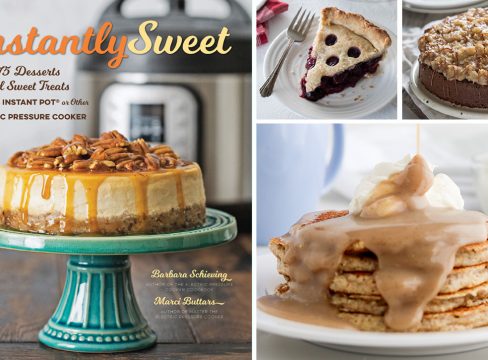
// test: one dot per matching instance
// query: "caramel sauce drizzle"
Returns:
(70, 208)
(47, 181)
(417, 137)
(415, 245)
(9, 191)
(25, 199)
(140, 186)
(91, 186)
(179, 189)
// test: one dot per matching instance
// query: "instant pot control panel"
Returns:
(158, 113)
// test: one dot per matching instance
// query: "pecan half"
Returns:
(51, 151)
(110, 152)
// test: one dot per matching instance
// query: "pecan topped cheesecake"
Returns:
(454, 59)
(105, 185)
(345, 49)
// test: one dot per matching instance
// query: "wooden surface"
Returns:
(31, 284)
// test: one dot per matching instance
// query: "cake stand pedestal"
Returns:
(98, 311)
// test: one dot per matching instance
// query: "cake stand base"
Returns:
(97, 311)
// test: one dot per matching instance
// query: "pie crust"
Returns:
(346, 47)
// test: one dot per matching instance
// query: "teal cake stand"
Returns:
(98, 311)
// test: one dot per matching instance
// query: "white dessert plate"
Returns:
(398, 344)
(370, 94)
(447, 10)
(440, 5)
(440, 105)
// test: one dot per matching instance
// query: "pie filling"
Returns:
(340, 81)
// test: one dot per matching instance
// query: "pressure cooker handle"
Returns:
(237, 13)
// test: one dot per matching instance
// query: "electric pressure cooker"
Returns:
(199, 104)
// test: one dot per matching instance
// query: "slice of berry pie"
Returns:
(345, 49)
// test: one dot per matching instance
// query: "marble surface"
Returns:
(383, 12)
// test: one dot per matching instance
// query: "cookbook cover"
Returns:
(234, 179)
(125, 179)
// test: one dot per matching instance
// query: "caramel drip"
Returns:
(141, 182)
(27, 181)
(179, 189)
(415, 245)
(10, 180)
(70, 205)
(91, 186)
(417, 137)
(47, 181)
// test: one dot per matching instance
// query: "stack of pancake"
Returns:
(462, 302)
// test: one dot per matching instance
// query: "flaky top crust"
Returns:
(457, 47)
(359, 25)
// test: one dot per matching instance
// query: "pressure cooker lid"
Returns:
(178, 22)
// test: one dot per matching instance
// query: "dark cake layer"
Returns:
(465, 93)
(337, 83)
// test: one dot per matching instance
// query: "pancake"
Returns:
(459, 319)
(358, 258)
(408, 257)
(363, 282)
(375, 305)
(462, 302)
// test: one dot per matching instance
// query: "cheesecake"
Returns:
(106, 185)
(453, 61)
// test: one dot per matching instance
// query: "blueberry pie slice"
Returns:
(345, 49)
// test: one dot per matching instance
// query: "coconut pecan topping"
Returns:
(110, 152)
(457, 47)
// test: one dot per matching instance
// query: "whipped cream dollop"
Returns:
(444, 193)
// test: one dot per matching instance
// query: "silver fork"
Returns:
(297, 31)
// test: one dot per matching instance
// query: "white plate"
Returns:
(370, 94)
(439, 5)
(455, 10)
(433, 343)
(440, 105)
(260, 4)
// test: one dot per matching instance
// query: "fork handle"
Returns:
(267, 88)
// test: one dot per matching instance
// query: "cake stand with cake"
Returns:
(99, 201)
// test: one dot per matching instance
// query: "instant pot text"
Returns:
(101, 41)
